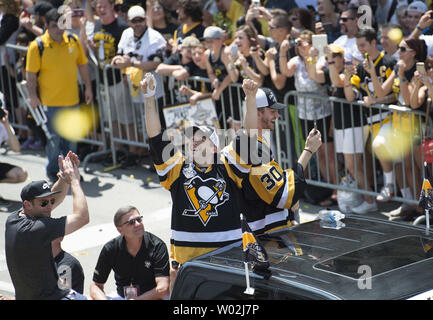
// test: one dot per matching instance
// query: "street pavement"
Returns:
(105, 192)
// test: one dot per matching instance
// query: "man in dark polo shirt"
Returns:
(139, 260)
(30, 230)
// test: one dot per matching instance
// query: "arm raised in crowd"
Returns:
(13, 142)
(314, 71)
(381, 89)
(422, 85)
(278, 79)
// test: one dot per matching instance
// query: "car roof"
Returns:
(368, 258)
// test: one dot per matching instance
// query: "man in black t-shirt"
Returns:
(31, 229)
(138, 258)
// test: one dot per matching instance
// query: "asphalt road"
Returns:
(105, 192)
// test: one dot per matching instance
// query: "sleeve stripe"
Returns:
(285, 194)
(162, 173)
(233, 162)
(163, 169)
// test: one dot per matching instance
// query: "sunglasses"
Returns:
(343, 2)
(132, 221)
(345, 19)
(137, 20)
(44, 203)
(276, 27)
(404, 49)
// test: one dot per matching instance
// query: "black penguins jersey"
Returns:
(206, 204)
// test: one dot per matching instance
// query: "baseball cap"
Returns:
(265, 98)
(209, 132)
(417, 6)
(190, 42)
(41, 8)
(36, 189)
(213, 32)
(136, 12)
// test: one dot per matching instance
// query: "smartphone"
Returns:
(235, 51)
(253, 43)
(420, 67)
(255, 3)
(77, 12)
(320, 41)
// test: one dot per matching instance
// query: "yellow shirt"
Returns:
(58, 73)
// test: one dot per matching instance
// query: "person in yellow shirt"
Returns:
(52, 80)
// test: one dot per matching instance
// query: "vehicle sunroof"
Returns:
(380, 258)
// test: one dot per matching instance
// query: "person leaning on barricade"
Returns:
(31, 229)
(174, 65)
(206, 183)
(361, 83)
(402, 134)
(197, 89)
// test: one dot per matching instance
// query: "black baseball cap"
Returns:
(265, 97)
(37, 189)
(41, 8)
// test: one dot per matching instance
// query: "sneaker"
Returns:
(36, 145)
(365, 207)
(386, 193)
(27, 143)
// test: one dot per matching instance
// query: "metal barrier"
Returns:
(371, 168)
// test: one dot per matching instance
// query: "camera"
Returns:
(255, 3)
(294, 43)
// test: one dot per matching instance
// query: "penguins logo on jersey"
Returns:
(205, 196)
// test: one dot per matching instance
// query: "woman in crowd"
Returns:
(404, 133)
(312, 112)
(241, 64)
(159, 20)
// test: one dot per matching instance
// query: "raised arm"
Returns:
(70, 175)
(250, 88)
(153, 123)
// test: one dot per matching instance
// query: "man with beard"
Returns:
(349, 29)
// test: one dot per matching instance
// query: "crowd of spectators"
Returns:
(371, 55)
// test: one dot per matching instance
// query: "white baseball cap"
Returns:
(417, 6)
(136, 12)
(265, 98)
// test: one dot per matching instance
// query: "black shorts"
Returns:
(323, 125)
(4, 169)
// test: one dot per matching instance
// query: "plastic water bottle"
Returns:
(331, 216)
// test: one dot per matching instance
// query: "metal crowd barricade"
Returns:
(314, 177)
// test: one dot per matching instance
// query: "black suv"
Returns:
(367, 258)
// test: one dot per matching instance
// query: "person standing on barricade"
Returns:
(31, 230)
(206, 184)
(360, 85)
(52, 69)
